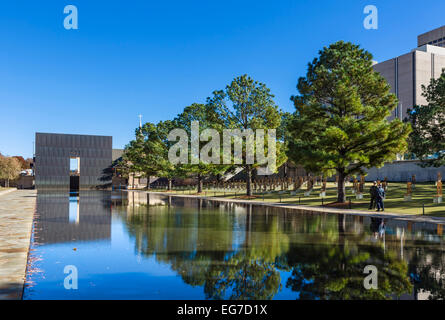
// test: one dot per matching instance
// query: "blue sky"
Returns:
(154, 58)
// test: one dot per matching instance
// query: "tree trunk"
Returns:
(7, 183)
(341, 237)
(249, 180)
(341, 187)
(169, 184)
(248, 226)
(148, 182)
(199, 183)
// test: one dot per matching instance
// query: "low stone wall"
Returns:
(402, 171)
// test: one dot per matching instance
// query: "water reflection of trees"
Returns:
(236, 254)
(328, 262)
(335, 270)
(427, 270)
(231, 254)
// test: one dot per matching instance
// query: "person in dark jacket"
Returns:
(377, 227)
(373, 193)
(380, 198)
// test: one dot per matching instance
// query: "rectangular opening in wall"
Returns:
(74, 173)
(74, 166)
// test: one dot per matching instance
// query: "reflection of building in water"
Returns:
(65, 218)
(74, 208)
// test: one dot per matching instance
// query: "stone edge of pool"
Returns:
(17, 209)
(389, 215)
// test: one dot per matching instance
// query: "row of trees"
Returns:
(10, 168)
(244, 104)
(340, 125)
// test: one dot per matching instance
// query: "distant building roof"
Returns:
(116, 154)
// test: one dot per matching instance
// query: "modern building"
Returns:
(407, 73)
(434, 37)
(71, 161)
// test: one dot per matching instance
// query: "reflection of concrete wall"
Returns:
(136, 198)
(53, 152)
(53, 223)
(402, 171)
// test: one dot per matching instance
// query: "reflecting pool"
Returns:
(137, 245)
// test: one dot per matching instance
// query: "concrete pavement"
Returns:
(16, 217)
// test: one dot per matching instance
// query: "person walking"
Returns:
(373, 193)
(380, 198)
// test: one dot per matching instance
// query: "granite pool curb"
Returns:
(17, 209)
(389, 215)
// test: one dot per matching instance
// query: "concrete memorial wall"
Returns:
(403, 171)
(53, 154)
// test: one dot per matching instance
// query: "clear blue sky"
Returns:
(155, 57)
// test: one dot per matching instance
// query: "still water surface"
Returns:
(144, 246)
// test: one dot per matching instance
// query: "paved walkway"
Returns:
(16, 217)
(7, 191)
(396, 216)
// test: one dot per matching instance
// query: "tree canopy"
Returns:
(427, 141)
(341, 120)
(208, 118)
(246, 104)
(148, 152)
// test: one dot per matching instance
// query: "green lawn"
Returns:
(423, 194)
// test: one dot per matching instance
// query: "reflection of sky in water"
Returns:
(108, 269)
(74, 209)
(126, 249)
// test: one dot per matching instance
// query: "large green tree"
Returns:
(208, 118)
(248, 104)
(427, 141)
(340, 124)
(148, 152)
(157, 145)
(131, 161)
(137, 157)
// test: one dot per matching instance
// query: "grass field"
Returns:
(422, 197)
